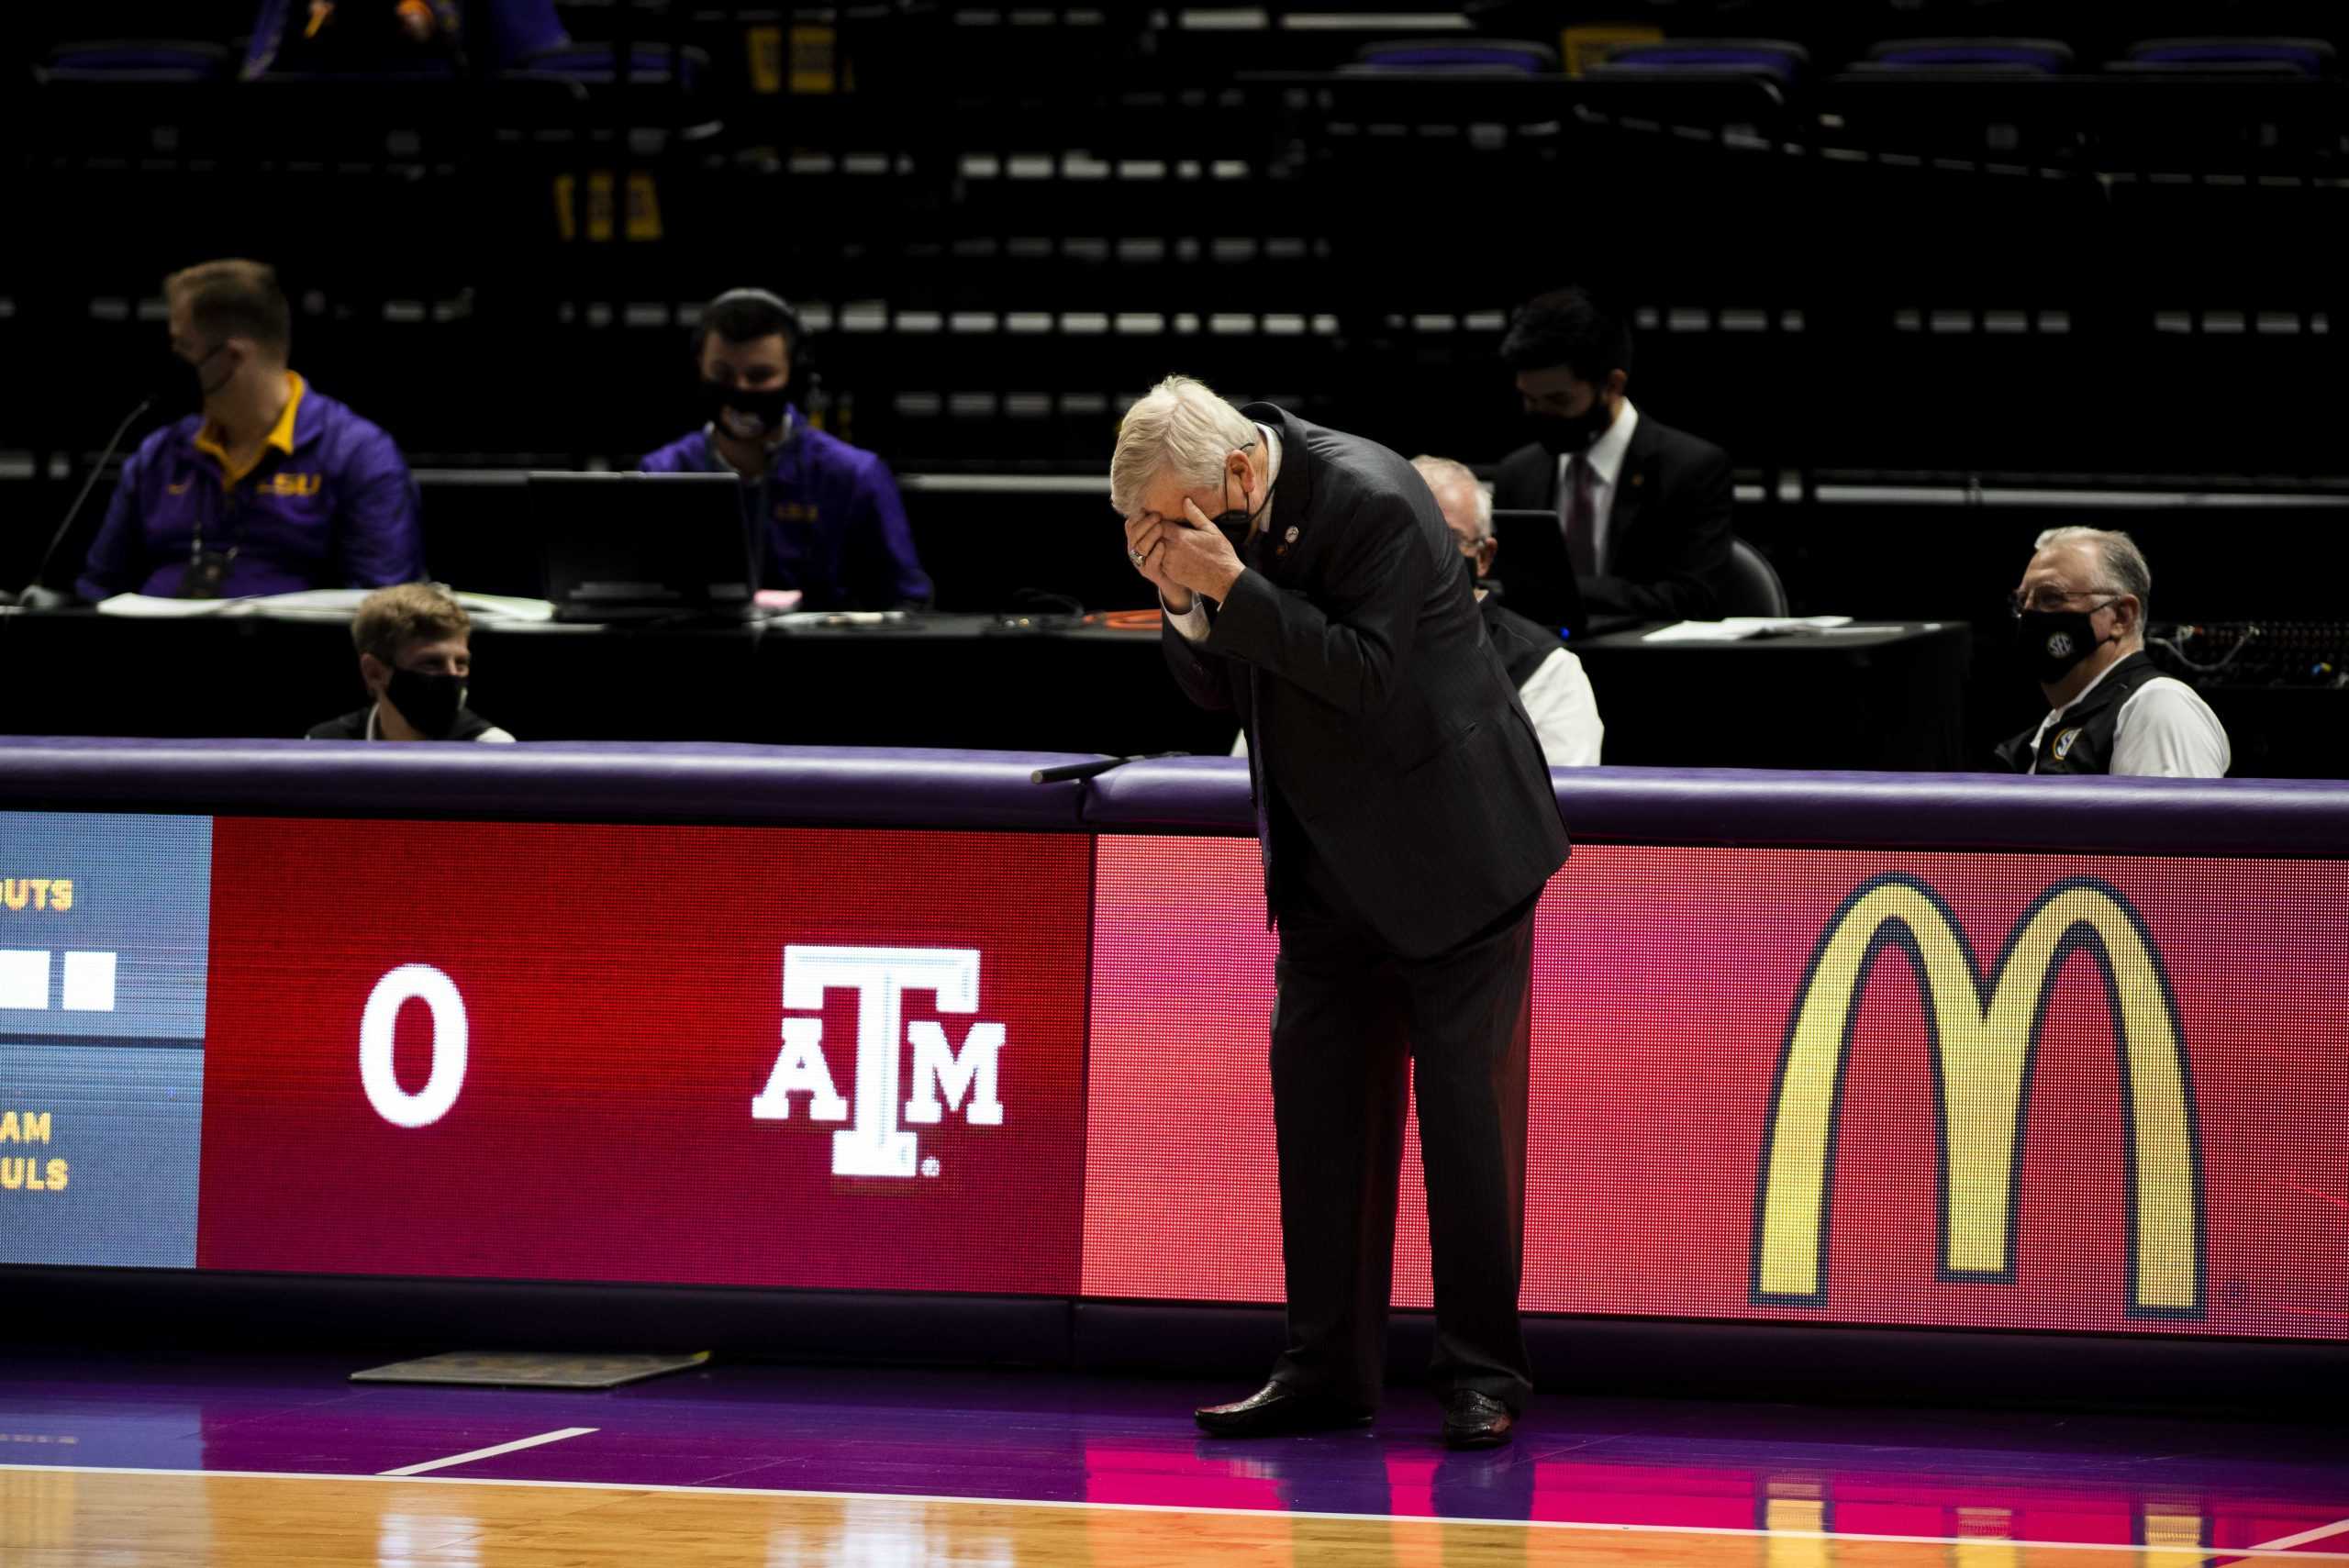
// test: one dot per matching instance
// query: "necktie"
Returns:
(1582, 519)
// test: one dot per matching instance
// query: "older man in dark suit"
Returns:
(1645, 507)
(1409, 827)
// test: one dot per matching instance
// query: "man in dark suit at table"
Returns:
(1408, 827)
(1644, 508)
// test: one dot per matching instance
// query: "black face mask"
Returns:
(195, 368)
(746, 412)
(1563, 436)
(2052, 642)
(429, 703)
(1234, 523)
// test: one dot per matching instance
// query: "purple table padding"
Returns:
(688, 782)
(2179, 816)
(991, 789)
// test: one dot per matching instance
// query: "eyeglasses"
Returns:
(2049, 599)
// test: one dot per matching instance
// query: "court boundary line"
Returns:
(517, 1446)
(2204, 1554)
(2285, 1542)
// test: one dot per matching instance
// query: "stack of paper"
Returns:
(1736, 629)
(317, 604)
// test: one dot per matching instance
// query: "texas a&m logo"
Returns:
(943, 1078)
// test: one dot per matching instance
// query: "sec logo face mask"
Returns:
(2051, 643)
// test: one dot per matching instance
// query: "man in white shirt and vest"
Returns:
(2079, 618)
(1550, 681)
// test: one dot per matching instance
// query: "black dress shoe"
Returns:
(1476, 1421)
(1276, 1408)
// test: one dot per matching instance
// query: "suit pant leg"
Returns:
(1471, 1014)
(1339, 1069)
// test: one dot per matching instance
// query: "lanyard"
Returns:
(233, 499)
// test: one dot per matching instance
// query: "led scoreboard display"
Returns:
(1968, 1090)
(1991, 1090)
(103, 966)
(731, 1056)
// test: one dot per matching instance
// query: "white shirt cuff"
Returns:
(1191, 624)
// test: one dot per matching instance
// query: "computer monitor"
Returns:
(1537, 580)
(478, 532)
(632, 546)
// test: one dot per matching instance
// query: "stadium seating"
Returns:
(1844, 254)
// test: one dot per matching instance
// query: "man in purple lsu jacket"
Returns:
(275, 487)
(826, 513)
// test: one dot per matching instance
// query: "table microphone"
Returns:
(1067, 772)
(88, 485)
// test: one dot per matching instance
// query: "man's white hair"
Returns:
(1439, 472)
(2122, 564)
(1179, 427)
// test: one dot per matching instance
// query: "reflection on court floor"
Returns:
(287, 1462)
(57, 1519)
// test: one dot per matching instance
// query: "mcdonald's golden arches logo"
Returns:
(1982, 1038)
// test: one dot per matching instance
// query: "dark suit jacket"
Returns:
(1382, 718)
(1668, 538)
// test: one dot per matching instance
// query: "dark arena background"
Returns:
(851, 990)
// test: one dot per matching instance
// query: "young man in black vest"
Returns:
(2080, 625)
(416, 658)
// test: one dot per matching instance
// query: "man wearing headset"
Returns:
(833, 526)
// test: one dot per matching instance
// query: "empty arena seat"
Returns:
(517, 27)
(2043, 57)
(1776, 59)
(138, 59)
(2299, 57)
(1518, 55)
(648, 64)
(1752, 586)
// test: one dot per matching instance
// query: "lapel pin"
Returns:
(1638, 480)
(1289, 538)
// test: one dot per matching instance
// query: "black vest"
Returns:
(1524, 644)
(2081, 741)
(470, 726)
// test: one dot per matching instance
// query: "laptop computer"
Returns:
(642, 546)
(477, 535)
(1537, 581)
